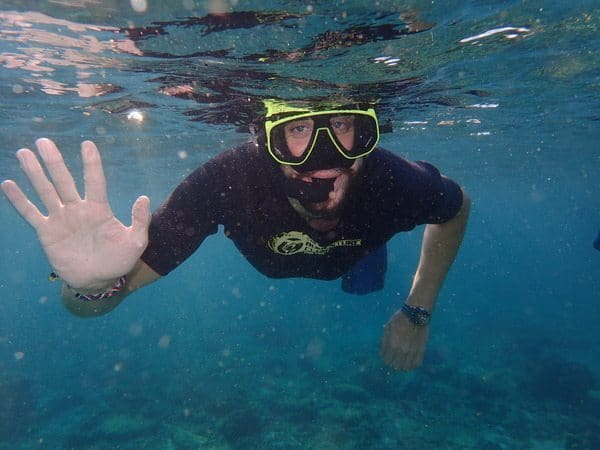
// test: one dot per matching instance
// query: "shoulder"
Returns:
(383, 158)
(242, 162)
(383, 166)
(236, 159)
(235, 175)
(416, 188)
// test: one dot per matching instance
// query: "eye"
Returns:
(299, 128)
(342, 124)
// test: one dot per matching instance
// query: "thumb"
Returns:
(140, 215)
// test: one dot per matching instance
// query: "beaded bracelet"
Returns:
(110, 292)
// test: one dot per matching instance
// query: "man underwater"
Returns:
(313, 196)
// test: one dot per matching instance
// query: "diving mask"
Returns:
(321, 139)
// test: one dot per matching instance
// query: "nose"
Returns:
(324, 155)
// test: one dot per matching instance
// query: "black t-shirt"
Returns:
(241, 190)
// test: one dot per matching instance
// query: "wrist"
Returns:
(109, 292)
(99, 291)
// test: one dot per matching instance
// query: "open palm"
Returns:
(85, 243)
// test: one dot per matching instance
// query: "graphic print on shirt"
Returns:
(292, 242)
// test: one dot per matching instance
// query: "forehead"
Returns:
(317, 116)
(319, 120)
(320, 117)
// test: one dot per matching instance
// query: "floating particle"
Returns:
(136, 329)
(164, 341)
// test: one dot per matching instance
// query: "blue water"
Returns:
(217, 356)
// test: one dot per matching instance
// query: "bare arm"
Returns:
(403, 344)
(439, 248)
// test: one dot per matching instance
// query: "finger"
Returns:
(418, 359)
(44, 188)
(393, 346)
(22, 204)
(54, 162)
(390, 356)
(411, 361)
(402, 358)
(93, 174)
(387, 355)
(140, 216)
(407, 362)
(397, 361)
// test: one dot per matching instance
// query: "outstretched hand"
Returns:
(403, 344)
(86, 245)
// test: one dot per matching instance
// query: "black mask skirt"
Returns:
(314, 191)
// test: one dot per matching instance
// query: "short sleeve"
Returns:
(439, 199)
(406, 193)
(190, 214)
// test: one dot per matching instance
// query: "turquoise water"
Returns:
(502, 96)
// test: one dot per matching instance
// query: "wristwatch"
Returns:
(416, 314)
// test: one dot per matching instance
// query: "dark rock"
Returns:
(563, 381)
(241, 425)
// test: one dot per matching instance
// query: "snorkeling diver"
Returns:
(313, 196)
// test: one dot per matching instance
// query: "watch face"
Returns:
(421, 319)
(416, 314)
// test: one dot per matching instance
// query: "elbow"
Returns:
(89, 309)
(458, 224)
(83, 310)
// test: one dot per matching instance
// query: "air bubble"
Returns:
(164, 341)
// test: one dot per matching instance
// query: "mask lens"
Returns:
(366, 135)
(343, 131)
(289, 141)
